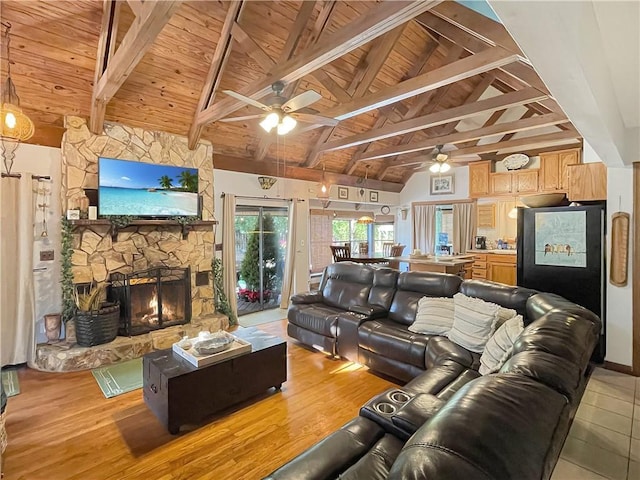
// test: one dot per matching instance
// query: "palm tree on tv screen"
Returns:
(188, 181)
(165, 182)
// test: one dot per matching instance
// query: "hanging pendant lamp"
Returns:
(365, 219)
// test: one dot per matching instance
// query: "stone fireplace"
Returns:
(152, 299)
(102, 254)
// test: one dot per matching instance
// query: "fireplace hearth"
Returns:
(152, 299)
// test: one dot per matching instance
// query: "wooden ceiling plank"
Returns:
(376, 21)
(467, 110)
(218, 63)
(298, 28)
(539, 121)
(445, 75)
(135, 6)
(477, 25)
(251, 48)
(106, 47)
(136, 42)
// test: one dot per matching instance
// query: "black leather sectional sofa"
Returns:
(448, 421)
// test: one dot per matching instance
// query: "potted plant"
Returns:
(96, 321)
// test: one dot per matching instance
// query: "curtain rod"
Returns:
(265, 198)
(18, 175)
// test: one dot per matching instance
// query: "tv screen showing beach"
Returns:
(146, 189)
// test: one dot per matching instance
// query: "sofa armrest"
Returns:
(307, 297)
(370, 311)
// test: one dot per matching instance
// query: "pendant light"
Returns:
(15, 126)
(323, 188)
(365, 219)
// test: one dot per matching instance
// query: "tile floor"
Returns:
(604, 440)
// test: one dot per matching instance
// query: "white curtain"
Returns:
(290, 260)
(464, 226)
(229, 250)
(17, 299)
(424, 227)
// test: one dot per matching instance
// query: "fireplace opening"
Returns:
(152, 299)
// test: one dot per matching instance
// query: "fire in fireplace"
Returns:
(152, 299)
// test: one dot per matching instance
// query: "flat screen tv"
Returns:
(146, 189)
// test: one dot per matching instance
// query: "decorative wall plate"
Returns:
(515, 161)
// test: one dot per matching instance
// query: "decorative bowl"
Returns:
(216, 344)
(543, 200)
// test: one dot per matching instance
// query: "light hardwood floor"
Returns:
(62, 428)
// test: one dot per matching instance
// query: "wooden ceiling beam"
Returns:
(540, 121)
(467, 110)
(135, 6)
(445, 75)
(376, 21)
(106, 47)
(248, 165)
(138, 39)
(476, 24)
(218, 63)
(251, 48)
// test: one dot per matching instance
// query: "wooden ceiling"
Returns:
(401, 76)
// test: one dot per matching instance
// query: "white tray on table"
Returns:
(237, 348)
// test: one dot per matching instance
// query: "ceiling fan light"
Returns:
(270, 121)
(287, 124)
(435, 168)
(444, 167)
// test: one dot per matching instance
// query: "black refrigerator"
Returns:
(562, 250)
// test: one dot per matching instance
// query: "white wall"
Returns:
(37, 160)
(619, 299)
(246, 184)
(417, 190)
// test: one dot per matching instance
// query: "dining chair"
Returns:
(340, 253)
(396, 251)
(386, 248)
(363, 248)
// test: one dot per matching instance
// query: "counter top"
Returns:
(496, 251)
(433, 260)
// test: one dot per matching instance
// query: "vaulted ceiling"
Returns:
(400, 76)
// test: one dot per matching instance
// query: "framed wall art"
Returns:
(343, 193)
(441, 184)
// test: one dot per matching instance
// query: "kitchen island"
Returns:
(455, 264)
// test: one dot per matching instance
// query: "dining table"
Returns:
(368, 258)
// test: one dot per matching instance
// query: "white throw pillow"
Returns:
(434, 316)
(500, 345)
(504, 314)
(474, 322)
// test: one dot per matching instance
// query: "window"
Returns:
(348, 230)
(382, 232)
(444, 229)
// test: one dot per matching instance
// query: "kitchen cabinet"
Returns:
(496, 267)
(501, 183)
(501, 268)
(587, 182)
(521, 181)
(479, 178)
(554, 171)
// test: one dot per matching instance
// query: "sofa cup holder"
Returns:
(385, 408)
(400, 397)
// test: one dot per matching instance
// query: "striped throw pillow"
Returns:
(474, 321)
(434, 316)
(500, 345)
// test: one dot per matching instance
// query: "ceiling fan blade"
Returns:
(248, 100)
(303, 100)
(239, 119)
(317, 119)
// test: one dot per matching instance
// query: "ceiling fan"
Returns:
(439, 159)
(282, 113)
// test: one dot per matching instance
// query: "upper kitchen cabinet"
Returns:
(479, 178)
(554, 171)
(587, 182)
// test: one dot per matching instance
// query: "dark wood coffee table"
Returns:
(179, 393)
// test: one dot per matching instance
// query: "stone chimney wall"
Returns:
(95, 254)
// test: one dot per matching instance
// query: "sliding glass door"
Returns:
(261, 240)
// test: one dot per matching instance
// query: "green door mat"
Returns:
(119, 378)
(10, 383)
